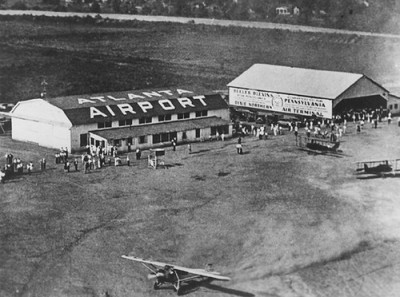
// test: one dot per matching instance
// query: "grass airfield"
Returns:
(279, 221)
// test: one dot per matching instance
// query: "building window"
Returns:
(164, 137)
(117, 142)
(163, 118)
(156, 138)
(197, 133)
(84, 139)
(102, 125)
(220, 129)
(185, 115)
(130, 141)
(202, 113)
(142, 139)
(145, 120)
(125, 122)
(396, 106)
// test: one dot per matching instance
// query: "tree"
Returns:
(95, 7)
(51, 2)
(116, 5)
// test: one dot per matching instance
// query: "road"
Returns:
(226, 23)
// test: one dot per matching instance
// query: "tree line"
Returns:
(369, 15)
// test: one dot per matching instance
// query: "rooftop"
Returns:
(296, 81)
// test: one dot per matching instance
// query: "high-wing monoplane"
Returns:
(165, 273)
(380, 167)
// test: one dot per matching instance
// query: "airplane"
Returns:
(377, 167)
(317, 144)
(175, 275)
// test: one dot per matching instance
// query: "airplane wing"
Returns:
(200, 272)
(155, 263)
(203, 272)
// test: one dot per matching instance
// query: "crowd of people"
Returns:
(96, 157)
(14, 166)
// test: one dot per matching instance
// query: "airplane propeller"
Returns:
(151, 276)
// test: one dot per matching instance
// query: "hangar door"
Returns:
(44, 134)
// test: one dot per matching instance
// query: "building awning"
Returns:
(164, 127)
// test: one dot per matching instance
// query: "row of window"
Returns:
(148, 120)
(157, 138)
(396, 106)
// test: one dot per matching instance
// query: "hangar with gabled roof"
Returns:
(304, 92)
(128, 120)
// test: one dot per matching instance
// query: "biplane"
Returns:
(380, 167)
(317, 144)
(165, 273)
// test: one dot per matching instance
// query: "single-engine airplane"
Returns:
(380, 167)
(165, 273)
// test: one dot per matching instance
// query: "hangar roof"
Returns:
(164, 127)
(84, 115)
(296, 81)
(113, 98)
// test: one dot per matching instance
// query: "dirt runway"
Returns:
(277, 220)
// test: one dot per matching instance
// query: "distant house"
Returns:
(282, 10)
(66, 2)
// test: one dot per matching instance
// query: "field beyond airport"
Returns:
(277, 220)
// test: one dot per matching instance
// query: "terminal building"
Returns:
(304, 92)
(127, 120)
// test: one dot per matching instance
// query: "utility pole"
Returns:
(44, 88)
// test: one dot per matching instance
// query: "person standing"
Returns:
(66, 166)
(389, 118)
(76, 164)
(239, 148)
(138, 154)
(2, 176)
(30, 167)
(189, 146)
(128, 161)
(173, 144)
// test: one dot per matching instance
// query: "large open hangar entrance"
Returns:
(305, 92)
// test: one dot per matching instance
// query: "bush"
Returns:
(60, 8)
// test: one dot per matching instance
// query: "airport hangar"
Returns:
(272, 89)
(127, 120)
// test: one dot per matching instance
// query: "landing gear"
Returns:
(177, 287)
(157, 285)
